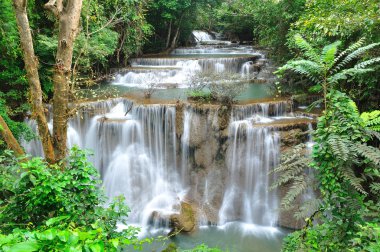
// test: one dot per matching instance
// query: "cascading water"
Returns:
(252, 153)
(182, 64)
(251, 156)
(135, 153)
(158, 156)
(246, 70)
(202, 36)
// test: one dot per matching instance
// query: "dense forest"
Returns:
(324, 54)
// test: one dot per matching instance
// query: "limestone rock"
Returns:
(206, 153)
(292, 137)
(185, 221)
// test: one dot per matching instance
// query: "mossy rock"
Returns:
(185, 221)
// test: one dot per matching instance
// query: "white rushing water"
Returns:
(252, 154)
(178, 68)
(202, 36)
(134, 152)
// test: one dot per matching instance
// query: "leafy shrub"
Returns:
(59, 207)
(84, 238)
(347, 166)
(62, 208)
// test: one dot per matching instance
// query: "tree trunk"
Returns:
(68, 17)
(169, 35)
(9, 139)
(118, 51)
(31, 66)
(176, 36)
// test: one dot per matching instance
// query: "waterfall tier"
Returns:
(159, 155)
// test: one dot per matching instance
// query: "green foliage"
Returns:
(343, 19)
(62, 208)
(12, 75)
(199, 95)
(19, 129)
(325, 68)
(371, 120)
(166, 16)
(347, 166)
(344, 161)
(116, 27)
(321, 238)
(41, 191)
(57, 207)
(367, 238)
(92, 238)
(294, 169)
(267, 22)
(202, 248)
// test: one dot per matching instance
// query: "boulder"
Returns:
(185, 221)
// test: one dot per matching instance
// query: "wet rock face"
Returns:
(179, 118)
(292, 137)
(205, 155)
(199, 130)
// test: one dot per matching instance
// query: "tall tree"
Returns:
(31, 66)
(67, 14)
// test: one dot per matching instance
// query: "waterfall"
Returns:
(252, 154)
(217, 157)
(185, 143)
(246, 70)
(141, 152)
(202, 36)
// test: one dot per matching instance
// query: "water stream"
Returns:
(158, 155)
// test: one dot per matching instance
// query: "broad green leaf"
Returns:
(27, 246)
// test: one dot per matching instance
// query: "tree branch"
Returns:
(51, 7)
(110, 22)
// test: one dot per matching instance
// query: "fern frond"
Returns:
(375, 187)
(369, 152)
(291, 171)
(373, 133)
(351, 72)
(368, 116)
(339, 146)
(329, 52)
(314, 104)
(307, 68)
(371, 120)
(349, 175)
(364, 64)
(355, 54)
(299, 187)
(351, 48)
(307, 49)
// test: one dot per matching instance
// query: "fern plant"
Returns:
(326, 68)
(294, 170)
(371, 120)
